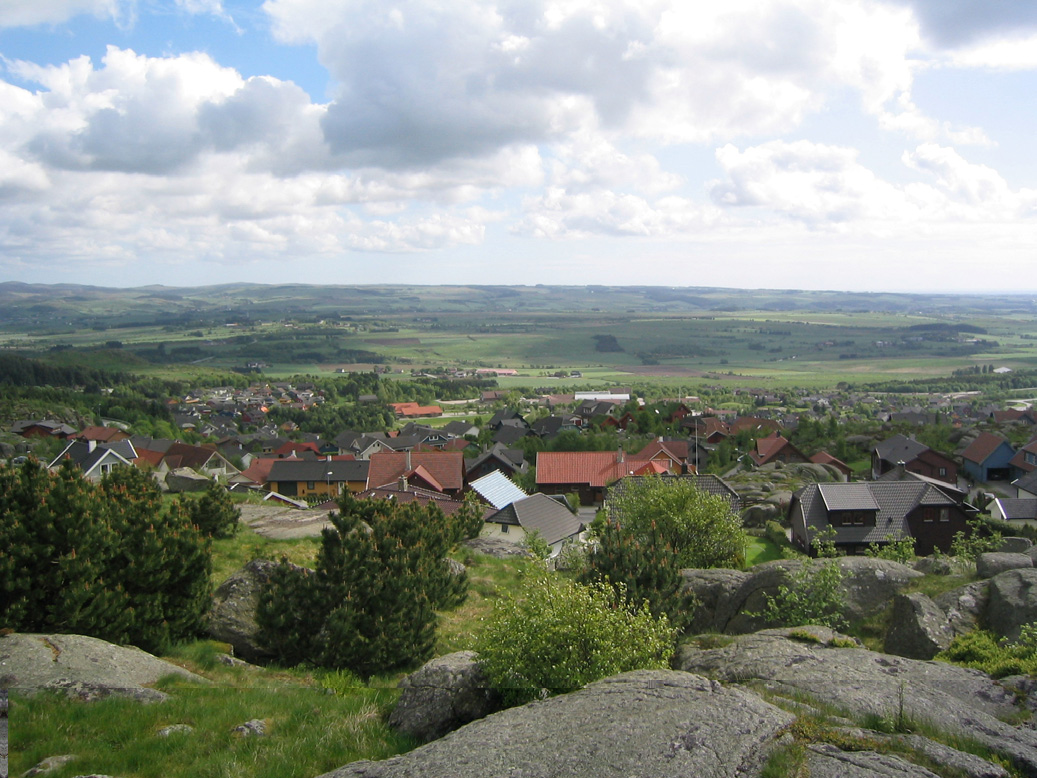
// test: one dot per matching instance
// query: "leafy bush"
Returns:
(107, 560)
(967, 546)
(555, 635)
(370, 606)
(895, 548)
(815, 596)
(701, 528)
(776, 534)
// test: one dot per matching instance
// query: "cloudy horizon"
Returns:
(807, 144)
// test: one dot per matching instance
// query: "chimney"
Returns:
(90, 446)
(408, 460)
(403, 483)
(619, 455)
(328, 458)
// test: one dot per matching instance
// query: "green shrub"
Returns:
(776, 534)
(109, 560)
(555, 635)
(214, 513)
(997, 658)
(815, 596)
(370, 606)
(895, 548)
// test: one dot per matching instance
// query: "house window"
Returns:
(1031, 459)
(943, 471)
(310, 485)
(504, 529)
(945, 514)
(929, 514)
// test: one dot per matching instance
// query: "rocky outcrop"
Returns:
(711, 588)
(649, 722)
(184, 479)
(993, 563)
(1012, 602)
(1015, 545)
(868, 586)
(865, 684)
(495, 547)
(232, 618)
(964, 607)
(83, 667)
(442, 695)
(918, 628)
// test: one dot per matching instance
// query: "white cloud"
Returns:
(28, 13)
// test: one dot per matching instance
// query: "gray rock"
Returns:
(175, 729)
(934, 565)
(49, 764)
(713, 588)
(251, 728)
(495, 547)
(870, 584)
(827, 761)
(964, 606)
(649, 722)
(758, 515)
(1014, 545)
(1012, 602)
(961, 762)
(1032, 553)
(232, 618)
(918, 628)
(184, 479)
(737, 613)
(956, 700)
(83, 667)
(990, 564)
(441, 696)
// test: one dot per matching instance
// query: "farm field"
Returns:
(643, 335)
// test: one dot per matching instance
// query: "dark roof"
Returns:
(318, 469)
(894, 500)
(507, 435)
(1018, 507)
(848, 497)
(901, 474)
(899, 449)
(539, 512)
(1028, 482)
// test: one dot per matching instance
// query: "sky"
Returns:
(781, 144)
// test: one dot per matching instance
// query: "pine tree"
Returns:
(214, 513)
(370, 605)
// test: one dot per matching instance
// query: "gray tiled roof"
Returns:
(1028, 482)
(317, 470)
(539, 512)
(899, 449)
(848, 497)
(1018, 508)
(895, 499)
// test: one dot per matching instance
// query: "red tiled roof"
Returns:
(259, 470)
(753, 423)
(295, 447)
(446, 467)
(413, 409)
(593, 468)
(101, 434)
(982, 447)
(769, 447)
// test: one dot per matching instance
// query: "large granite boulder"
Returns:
(232, 618)
(712, 589)
(955, 700)
(868, 586)
(965, 606)
(1012, 602)
(994, 562)
(649, 722)
(918, 629)
(1015, 545)
(82, 667)
(442, 695)
(184, 479)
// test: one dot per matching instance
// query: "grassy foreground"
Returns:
(314, 723)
